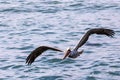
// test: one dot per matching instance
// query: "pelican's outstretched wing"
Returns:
(38, 51)
(100, 31)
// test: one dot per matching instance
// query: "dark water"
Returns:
(27, 24)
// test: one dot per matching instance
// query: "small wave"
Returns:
(96, 72)
(21, 48)
(115, 66)
(115, 73)
(67, 61)
(90, 7)
(88, 51)
(90, 78)
(49, 33)
(15, 10)
(49, 78)
(100, 7)
(96, 64)
(76, 5)
(52, 2)
(93, 44)
(3, 25)
(17, 66)
(53, 60)
(6, 67)
(28, 10)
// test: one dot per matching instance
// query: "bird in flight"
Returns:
(70, 53)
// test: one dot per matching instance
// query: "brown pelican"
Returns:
(70, 53)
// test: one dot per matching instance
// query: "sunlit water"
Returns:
(27, 24)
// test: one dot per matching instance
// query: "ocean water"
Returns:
(28, 24)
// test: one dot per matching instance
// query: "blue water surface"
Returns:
(28, 24)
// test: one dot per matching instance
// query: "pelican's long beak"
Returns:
(67, 53)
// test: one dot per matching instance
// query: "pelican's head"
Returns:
(67, 53)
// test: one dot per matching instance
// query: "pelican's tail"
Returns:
(81, 52)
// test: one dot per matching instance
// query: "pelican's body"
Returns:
(70, 53)
(75, 54)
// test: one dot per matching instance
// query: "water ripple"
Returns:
(48, 78)
(21, 48)
(28, 10)
(90, 78)
(114, 73)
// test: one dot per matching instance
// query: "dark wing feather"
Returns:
(38, 51)
(99, 31)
